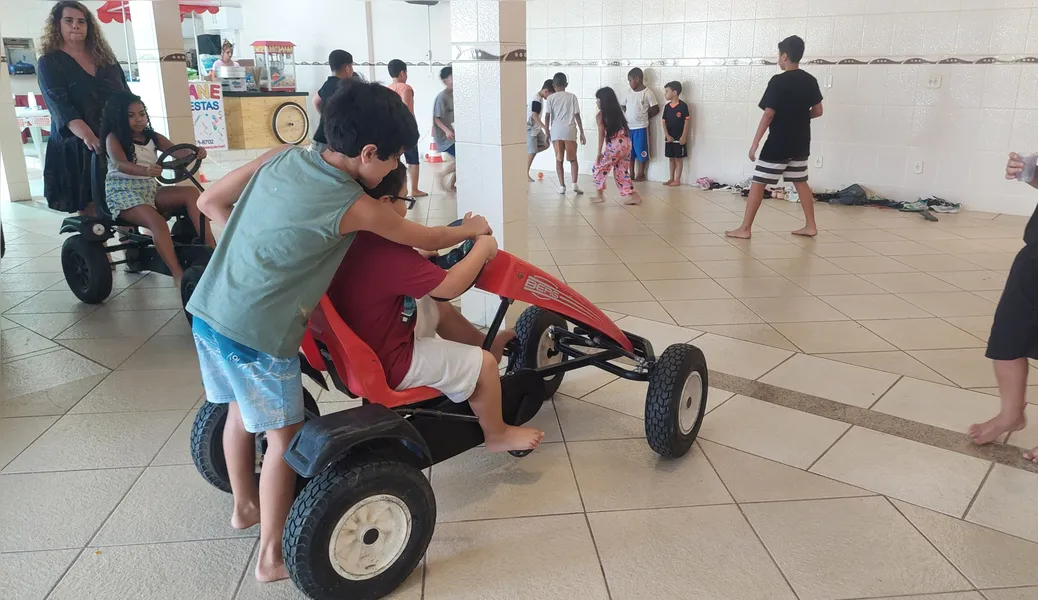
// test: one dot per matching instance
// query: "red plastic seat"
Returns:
(354, 361)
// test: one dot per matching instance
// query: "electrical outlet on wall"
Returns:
(828, 82)
(818, 162)
(934, 82)
(917, 168)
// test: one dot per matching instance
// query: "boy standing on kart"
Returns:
(295, 213)
(402, 331)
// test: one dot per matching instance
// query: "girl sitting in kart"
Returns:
(385, 291)
(131, 191)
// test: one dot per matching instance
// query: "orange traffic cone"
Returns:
(434, 155)
(202, 178)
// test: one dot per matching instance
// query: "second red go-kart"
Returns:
(365, 512)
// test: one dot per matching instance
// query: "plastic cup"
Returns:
(1030, 162)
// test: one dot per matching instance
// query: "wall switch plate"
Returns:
(934, 82)
(818, 162)
(917, 168)
(828, 81)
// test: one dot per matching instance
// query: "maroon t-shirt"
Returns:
(375, 290)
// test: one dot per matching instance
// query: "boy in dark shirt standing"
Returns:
(676, 123)
(1014, 333)
(790, 102)
(341, 63)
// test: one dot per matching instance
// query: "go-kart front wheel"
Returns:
(192, 275)
(536, 347)
(86, 268)
(358, 530)
(676, 400)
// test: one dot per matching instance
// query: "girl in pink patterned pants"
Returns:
(614, 148)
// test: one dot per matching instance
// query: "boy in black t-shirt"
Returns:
(676, 123)
(790, 102)
(341, 63)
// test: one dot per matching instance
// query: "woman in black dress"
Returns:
(77, 74)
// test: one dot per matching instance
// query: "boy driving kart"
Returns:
(385, 292)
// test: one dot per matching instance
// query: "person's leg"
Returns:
(486, 405)
(753, 202)
(624, 182)
(413, 162)
(529, 165)
(574, 166)
(670, 179)
(1012, 389)
(171, 198)
(807, 202)
(146, 215)
(455, 327)
(560, 160)
(277, 491)
(599, 174)
(679, 167)
(239, 450)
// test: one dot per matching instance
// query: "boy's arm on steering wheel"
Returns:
(217, 201)
(460, 276)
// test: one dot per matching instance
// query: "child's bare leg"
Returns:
(172, 198)
(679, 166)
(807, 202)
(560, 170)
(486, 405)
(671, 178)
(413, 172)
(455, 327)
(239, 450)
(277, 491)
(753, 203)
(1012, 388)
(574, 167)
(529, 166)
(146, 215)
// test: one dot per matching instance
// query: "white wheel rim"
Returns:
(369, 537)
(690, 402)
(545, 345)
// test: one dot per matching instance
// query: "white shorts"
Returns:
(792, 171)
(443, 365)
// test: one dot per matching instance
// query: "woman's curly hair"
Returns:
(51, 40)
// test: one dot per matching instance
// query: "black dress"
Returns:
(71, 93)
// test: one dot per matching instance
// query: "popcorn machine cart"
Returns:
(275, 69)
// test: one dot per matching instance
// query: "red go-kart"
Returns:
(365, 512)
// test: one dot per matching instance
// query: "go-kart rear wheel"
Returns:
(133, 260)
(536, 347)
(358, 530)
(192, 275)
(86, 268)
(676, 400)
(207, 441)
(183, 231)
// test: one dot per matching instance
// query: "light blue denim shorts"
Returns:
(268, 389)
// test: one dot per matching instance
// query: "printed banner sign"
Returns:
(207, 114)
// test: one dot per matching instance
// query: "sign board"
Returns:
(207, 115)
(21, 56)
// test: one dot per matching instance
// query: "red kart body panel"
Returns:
(505, 275)
(511, 277)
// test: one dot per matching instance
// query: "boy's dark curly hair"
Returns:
(391, 184)
(361, 113)
(115, 120)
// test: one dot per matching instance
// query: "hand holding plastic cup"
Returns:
(1030, 163)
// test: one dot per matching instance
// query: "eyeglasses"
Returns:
(410, 200)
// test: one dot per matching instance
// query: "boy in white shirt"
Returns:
(640, 107)
(562, 119)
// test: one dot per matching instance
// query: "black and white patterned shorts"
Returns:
(792, 171)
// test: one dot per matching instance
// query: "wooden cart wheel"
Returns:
(290, 123)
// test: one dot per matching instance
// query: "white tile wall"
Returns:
(879, 119)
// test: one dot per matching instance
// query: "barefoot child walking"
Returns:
(790, 102)
(676, 125)
(562, 118)
(1014, 333)
(614, 148)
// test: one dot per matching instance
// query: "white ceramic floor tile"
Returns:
(939, 405)
(782, 434)
(850, 548)
(649, 481)
(17, 433)
(127, 391)
(31, 575)
(893, 361)
(829, 379)
(660, 335)
(585, 421)
(833, 336)
(739, 358)
(177, 450)
(646, 554)
(1002, 502)
(938, 479)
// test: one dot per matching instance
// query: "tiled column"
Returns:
(16, 175)
(489, 61)
(163, 68)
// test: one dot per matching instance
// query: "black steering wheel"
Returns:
(184, 167)
(455, 256)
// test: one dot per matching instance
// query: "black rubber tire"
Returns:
(330, 495)
(133, 260)
(531, 324)
(86, 268)
(188, 283)
(663, 400)
(207, 441)
(183, 231)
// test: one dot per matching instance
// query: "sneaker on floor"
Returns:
(562, 189)
(577, 190)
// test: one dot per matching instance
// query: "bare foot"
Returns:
(806, 231)
(419, 193)
(502, 339)
(515, 438)
(668, 182)
(1032, 455)
(266, 573)
(633, 200)
(991, 430)
(599, 198)
(740, 233)
(530, 178)
(245, 516)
